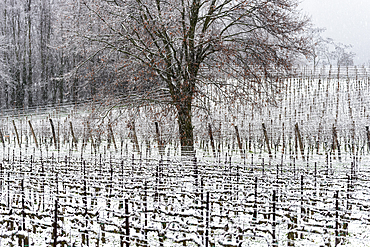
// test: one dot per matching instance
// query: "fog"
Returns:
(346, 21)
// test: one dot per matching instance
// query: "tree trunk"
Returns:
(185, 126)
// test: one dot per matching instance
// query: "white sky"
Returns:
(346, 21)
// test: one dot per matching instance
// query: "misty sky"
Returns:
(346, 21)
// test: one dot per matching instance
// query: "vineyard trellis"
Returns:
(109, 184)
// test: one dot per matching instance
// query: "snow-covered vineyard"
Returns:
(113, 200)
(292, 175)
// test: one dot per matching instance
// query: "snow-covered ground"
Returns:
(231, 199)
(174, 202)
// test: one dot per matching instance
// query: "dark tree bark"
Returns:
(184, 118)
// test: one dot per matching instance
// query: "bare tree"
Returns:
(320, 47)
(342, 55)
(326, 51)
(183, 46)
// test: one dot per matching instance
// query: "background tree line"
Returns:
(48, 54)
(37, 51)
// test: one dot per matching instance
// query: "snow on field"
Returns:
(117, 187)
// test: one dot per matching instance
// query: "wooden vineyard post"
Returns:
(10, 224)
(283, 149)
(122, 185)
(100, 165)
(133, 164)
(23, 212)
(127, 224)
(85, 235)
(25, 238)
(281, 165)
(33, 133)
(266, 138)
(348, 207)
(207, 220)
(327, 164)
(58, 139)
(134, 137)
(336, 144)
(303, 212)
(337, 238)
(211, 138)
(274, 240)
(1, 176)
(110, 185)
(292, 225)
(299, 137)
(255, 200)
(201, 191)
(318, 139)
(158, 180)
(120, 207)
(55, 225)
(112, 137)
(367, 135)
(16, 133)
(8, 190)
(158, 137)
(145, 214)
(74, 139)
(2, 138)
(249, 137)
(53, 133)
(315, 175)
(239, 142)
(252, 169)
(195, 173)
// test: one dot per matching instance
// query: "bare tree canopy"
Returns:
(325, 51)
(185, 45)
